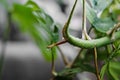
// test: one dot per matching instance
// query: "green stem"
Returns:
(84, 20)
(84, 30)
(109, 49)
(53, 65)
(87, 43)
(68, 21)
(91, 43)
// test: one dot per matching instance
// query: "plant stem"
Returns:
(84, 19)
(53, 65)
(91, 43)
(81, 51)
(90, 30)
(66, 26)
(84, 31)
(109, 49)
(87, 43)
(112, 31)
(96, 64)
(56, 44)
(113, 46)
(63, 57)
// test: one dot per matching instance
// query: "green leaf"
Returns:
(39, 25)
(101, 25)
(67, 74)
(105, 13)
(91, 14)
(84, 66)
(45, 20)
(24, 15)
(55, 33)
(103, 71)
(100, 5)
(112, 10)
(114, 54)
(115, 7)
(32, 5)
(114, 70)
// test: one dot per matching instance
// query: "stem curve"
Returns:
(86, 43)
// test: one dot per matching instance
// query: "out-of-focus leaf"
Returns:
(32, 5)
(103, 71)
(114, 54)
(117, 54)
(55, 33)
(105, 13)
(91, 14)
(112, 10)
(84, 66)
(115, 10)
(100, 5)
(24, 16)
(47, 25)
(45, 20)
(67, 74)
(114, 70)
(40, 26)
(101, 25)
(102, 53)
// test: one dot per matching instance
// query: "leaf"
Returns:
(45, 20)
(91, 14)
(115, 8)
(67, 74)
(39, 25)
(55, 33)
(114, 54)
(100, 5)
(101, 25)
(32, 5)
(112, 10)
(114, 70)
(48, 24)
(103, 71)
(84, 66)
(24, 15)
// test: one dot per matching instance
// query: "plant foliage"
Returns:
(104, 17)
(38, 24)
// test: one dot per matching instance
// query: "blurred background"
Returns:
(22, 57)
